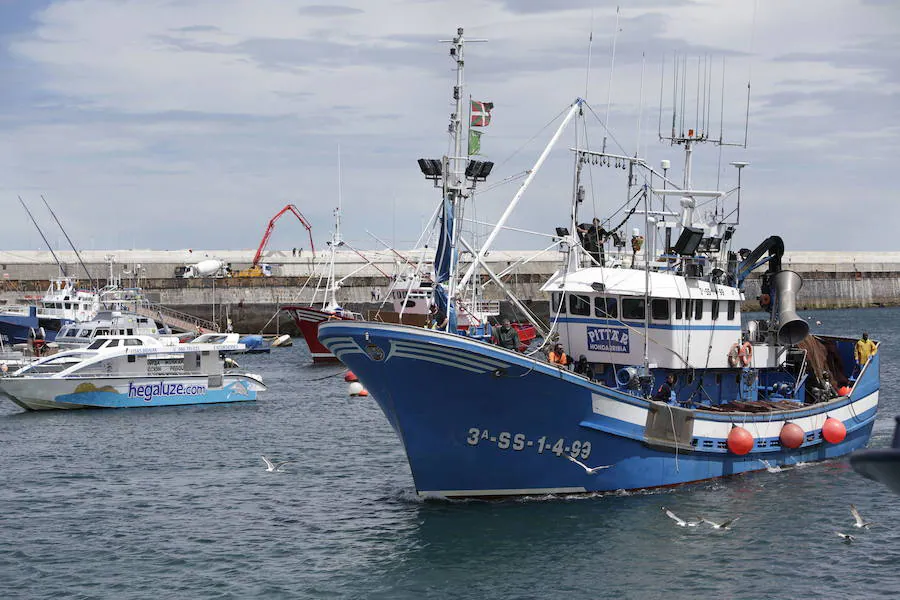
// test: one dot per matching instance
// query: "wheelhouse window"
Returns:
(714, 307)
(579, 305)
(678, 313)
(133, 342)
(606, 307)
(698, 309)
(96, 345)
(731, 309)
(659, 309)
(555, 300)
(633, 308)
(688, 308)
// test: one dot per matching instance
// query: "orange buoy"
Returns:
(364, 392)
(350, 377)
(740, 441)
(833, 431)
(792, 435)
(844, 390)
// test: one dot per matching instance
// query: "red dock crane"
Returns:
(256, 270)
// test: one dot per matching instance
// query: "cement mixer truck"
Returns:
(205, 268)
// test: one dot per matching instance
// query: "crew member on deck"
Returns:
(593, 237)
(864, 349)
(557, 356)
(438, 318)
(583, 367)
(666, 391)
(506, 337)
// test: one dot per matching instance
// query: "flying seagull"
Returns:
(847, 537)
(587, 469)
(769, 467)
(276, 466)
(723, 525)
(678, 520)
(859, 520)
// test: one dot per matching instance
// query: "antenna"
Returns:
(68, 239)
(699, 130)
(587, 73)
(612, 68)
(49, 247)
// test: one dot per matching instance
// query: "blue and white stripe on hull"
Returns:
(477, 420)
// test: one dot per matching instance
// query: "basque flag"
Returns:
(481, 113)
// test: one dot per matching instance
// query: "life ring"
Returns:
(733, 355)
(746, 353)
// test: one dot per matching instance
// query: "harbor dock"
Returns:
(830, 279)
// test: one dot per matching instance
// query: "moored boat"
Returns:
(130, 371)
(675, 388)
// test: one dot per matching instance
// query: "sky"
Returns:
(169, 124)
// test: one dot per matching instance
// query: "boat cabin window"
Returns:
(633, 308)
(102, 332)
(579, 305)
(130, 331)
(731, 306)
(69, 305)
(133, 343)
(410, 303)
(688, 307)
(555, 300)
(715, 309)
(698, 309)
(659, 309)
(678, 314)
(96, 344)
(113, 343)
(606, 307)
(84, 333)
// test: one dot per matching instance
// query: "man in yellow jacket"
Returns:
(864, 349)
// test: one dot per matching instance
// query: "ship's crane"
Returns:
(258, 270)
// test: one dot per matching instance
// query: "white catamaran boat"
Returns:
(131, 371)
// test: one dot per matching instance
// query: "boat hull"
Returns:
(476, 420)
(308, 320)
(16, 329)
(41, 393)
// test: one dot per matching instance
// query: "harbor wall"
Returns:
(830, 280)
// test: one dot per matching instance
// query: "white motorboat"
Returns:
(131, 371)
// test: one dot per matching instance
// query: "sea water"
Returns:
(176, 503)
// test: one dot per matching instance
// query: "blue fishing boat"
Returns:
(672, 384)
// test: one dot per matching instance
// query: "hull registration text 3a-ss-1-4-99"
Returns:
(519, 441)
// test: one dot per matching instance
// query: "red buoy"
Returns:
(792, 435)
(833, 431)
(740, 441)
(844, 390)
(349, 377)
(363, 392)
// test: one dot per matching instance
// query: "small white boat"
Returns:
(282, 341)
(131, 371)
(105, 323)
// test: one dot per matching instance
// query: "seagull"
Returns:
(678, 520)
(273, 467)
(769, 467)
(847, 537)
(723, 525)
(859, 520)
(587, 469)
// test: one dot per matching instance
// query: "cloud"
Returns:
(190, 123)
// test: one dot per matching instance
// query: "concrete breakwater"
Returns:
(830, 280)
